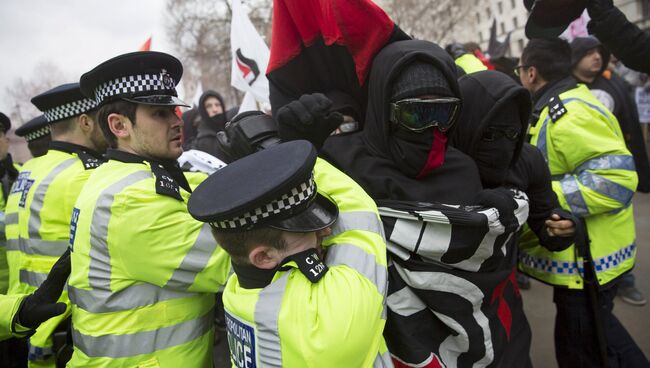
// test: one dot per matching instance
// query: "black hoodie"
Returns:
(369, 156)
(486, 95)
(206, 133)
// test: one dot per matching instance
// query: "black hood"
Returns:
(386, 67)
(201, 107)
(484, 94)
(581, 45)
(366, 156)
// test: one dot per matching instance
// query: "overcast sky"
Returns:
(75, 35)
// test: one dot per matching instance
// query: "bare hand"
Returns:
(556, 226)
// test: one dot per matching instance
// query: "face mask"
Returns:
(496, 147)
(418, 153)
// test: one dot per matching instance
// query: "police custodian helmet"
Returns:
(143, 77)
(274, 187)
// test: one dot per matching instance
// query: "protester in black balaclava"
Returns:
(213, 119)
(491, 130)
(391, 161)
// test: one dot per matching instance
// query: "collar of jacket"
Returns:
(554, 88)
(251, 277)
(74, 148)
(170, 166)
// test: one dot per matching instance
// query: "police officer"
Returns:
(594, 178)
(145, 273)
(37, 134)
(44, 195)
(309, 258)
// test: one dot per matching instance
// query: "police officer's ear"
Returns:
(86, 123)
(117, 123)
(264, 257)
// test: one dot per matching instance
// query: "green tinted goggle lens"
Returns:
(418, 115)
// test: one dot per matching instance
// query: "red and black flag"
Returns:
(325, 45)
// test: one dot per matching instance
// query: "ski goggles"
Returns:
(417, 115)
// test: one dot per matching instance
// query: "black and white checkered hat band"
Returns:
(40, 132)
(298, 195)
(130, 85)
(69, 110)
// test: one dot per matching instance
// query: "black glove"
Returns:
(597, 8)
(41, 305)
(503, 200)
(456, 50)
(247, 133)
(308, 118)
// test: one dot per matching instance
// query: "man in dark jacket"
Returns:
(212, 111)
(623, 38)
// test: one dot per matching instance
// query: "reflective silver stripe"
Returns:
(573, 196)
(195, 260)
(13, 244)
(608, 162)
(541, 139)
(383, 361)
(358, 220)
(145, 342)
(34, 279)
(51, 248)
(267, 312)
(38, 352)
(364, 263)
(11, 218)
(36, 205)
(556, 267)
(99, 269)
(606, 187)
(135, 296)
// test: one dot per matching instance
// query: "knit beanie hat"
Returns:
(420, 78)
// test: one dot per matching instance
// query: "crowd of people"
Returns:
(388, 224)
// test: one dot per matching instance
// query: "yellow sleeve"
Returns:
(157, 241)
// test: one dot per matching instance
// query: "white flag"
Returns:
(250, 55)
(198, 92)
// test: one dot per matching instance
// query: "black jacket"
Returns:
(206, 132)
(623, 38)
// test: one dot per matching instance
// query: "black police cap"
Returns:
(63, 102)
(34, 129)
(5, 122)
(274, 187)
(144, 77)
(549, 18)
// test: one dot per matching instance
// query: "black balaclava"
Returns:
(218, 121)
(418, 153)
(491, 99)
(494, 158)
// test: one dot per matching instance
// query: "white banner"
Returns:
(250, 55)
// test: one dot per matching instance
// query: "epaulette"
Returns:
(556, 109)
(89, 161)
(165, 183)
